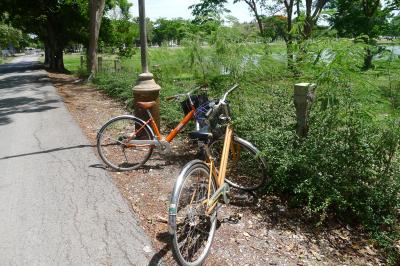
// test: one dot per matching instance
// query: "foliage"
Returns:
(275, 27)
(9, 35)
(352, 20)
(394, 27)
(170, 30)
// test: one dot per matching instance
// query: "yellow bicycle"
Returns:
(201, 185)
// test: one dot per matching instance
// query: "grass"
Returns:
(6, 60)
(72, 62)
(174, 71)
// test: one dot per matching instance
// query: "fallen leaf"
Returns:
(147, 249)
(162, 219)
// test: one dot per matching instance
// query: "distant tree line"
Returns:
(107, 25)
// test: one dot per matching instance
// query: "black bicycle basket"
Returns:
(197, 100)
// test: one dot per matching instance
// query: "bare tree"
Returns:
(311, 16)
(253, 6)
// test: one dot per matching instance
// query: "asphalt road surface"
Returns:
(56, 206)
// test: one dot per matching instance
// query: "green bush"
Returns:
(117, 85)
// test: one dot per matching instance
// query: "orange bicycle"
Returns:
(126, 142)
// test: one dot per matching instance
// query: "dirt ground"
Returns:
(253, 229)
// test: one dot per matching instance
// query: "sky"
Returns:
(179, 8)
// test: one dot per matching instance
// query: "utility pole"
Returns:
(146, 89)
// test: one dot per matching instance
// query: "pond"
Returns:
(393, 48)
(390, 50)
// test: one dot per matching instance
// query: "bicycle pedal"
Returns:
(232, 219)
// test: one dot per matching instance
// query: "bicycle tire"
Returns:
(192, 230)
(114, 152)
(249, 172)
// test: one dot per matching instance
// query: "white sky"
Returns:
(179, 8)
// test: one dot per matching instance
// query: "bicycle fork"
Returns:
(223, 188)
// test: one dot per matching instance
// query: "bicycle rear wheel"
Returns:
(113, 147)
(193, 230)
(246, 167)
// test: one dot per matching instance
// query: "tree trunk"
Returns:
(289, 4)
(55, 50)
(59, 59)
(368, 59)
(96, 8)
(46, 55)
(308, 23)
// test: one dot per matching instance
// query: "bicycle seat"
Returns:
(199, 135)
(146, 105)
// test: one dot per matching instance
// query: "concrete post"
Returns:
(99, 63)
(304, 95)
(146, 88)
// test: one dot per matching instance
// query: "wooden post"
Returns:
(117, 65)
(304, 95)
(82, 62)
(100, 63)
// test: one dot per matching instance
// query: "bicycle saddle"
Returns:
(199, 135)
(146, 105)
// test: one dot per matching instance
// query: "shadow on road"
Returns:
(22, 90)
(48, 151)
(20, 67)
(158, 257)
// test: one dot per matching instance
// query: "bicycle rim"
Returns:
(246, 168)
(194, 229)
(112, 143)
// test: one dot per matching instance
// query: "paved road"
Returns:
(55, 207)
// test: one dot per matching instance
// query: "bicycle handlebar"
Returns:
(178, 96)
(221, 102)
(229, 91)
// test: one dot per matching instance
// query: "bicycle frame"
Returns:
(222, 187)
(168, 138)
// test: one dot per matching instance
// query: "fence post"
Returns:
(117, 65)
(304, 95)
(82, 61)
(99, 63)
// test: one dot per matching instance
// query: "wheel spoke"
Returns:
(116, 133)
(194, 229)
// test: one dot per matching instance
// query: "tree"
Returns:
(307, 13)
(96, 9)
(55, 22)
(9, 35)
(360, 19)
(394, 27)
(275, 27)
(170, 30)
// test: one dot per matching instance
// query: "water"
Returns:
(393, 48)
(390, 50)
(326, 56)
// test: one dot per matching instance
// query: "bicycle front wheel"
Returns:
(113, 143)
(246, 167)
(193, 230)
